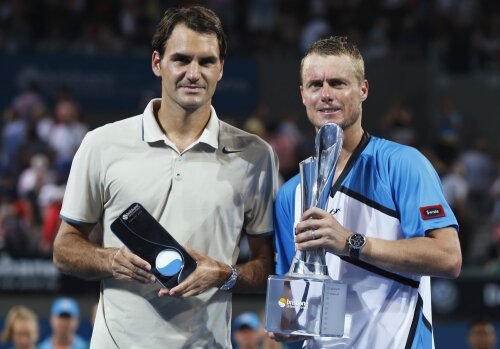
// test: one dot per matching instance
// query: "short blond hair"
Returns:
(337, 46)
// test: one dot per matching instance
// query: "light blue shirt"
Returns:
(78, 343)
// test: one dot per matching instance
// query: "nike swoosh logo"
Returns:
(228, 151)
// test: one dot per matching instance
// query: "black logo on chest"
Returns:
(334, 211)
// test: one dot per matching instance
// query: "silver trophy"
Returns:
(306, 300)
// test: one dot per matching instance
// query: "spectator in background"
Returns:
(479, 170)
(248, 333)
(397, 123)
(482, 334)
(43, 123)
(495, 196)
(21, 328)
(16, 227)
(455, 190)
(285, 138)
(28, 101)
(315, 28)
(13, 137)
(492, 265)
(68, 132)
(64, 321)
(448, 129)
(32, 180)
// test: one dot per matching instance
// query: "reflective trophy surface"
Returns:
(306, 300)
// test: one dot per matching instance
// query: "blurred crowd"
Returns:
(460, 36)
(36, 151)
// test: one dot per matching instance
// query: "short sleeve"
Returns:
(262, 192)
(83, 198)
(418, 194)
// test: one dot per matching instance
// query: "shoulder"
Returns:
(403, 169)
(237, 139)
(126, 128)
(388, 149)
(393, 155)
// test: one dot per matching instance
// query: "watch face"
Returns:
(357, 241)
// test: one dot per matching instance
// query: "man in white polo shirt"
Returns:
(205, 181)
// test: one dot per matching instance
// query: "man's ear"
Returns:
(155, 63)
(221, 70)
(364, 90)
(302, 93)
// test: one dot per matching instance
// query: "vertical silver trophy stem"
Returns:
(316, 178)
(306, 300)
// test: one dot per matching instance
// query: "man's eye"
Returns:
(206, 62)
(337, 83)
(184, 60)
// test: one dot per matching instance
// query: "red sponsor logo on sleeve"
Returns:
(429, 212)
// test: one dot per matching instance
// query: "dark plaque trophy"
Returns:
(306, 300)
(144, 236)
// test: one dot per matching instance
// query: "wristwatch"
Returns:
(356, 242)
(229, 284)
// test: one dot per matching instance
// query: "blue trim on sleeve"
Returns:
(142, 127)
(74, 221)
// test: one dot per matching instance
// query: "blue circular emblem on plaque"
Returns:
(168, 262)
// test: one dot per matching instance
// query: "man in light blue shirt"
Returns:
(64, 321)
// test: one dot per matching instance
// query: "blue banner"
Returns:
(118, 83)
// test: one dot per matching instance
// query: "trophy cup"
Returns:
(307, 301)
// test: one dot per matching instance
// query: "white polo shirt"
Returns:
(221, 185)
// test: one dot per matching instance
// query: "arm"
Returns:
(75, 254)
(437, 254)
(252, 275)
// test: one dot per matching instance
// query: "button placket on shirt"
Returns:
(178, 168)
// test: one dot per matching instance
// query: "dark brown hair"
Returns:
(197, 18)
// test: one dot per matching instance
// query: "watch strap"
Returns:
(229, 284)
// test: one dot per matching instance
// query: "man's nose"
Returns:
(326, 93)
(193, 72)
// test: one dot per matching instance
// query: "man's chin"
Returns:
(191, 105)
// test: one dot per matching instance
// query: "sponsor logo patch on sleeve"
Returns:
(429, 212)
